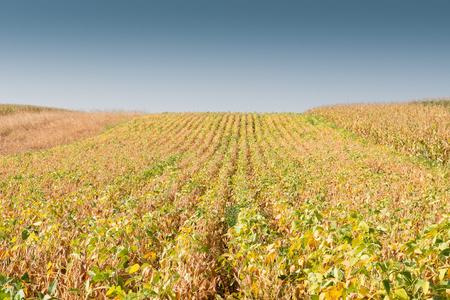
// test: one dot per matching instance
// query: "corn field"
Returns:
(233, 206)
(420, 128)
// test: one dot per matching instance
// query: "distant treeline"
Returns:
(6, 109)
(437, 102)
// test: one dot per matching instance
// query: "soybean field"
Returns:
(344, 202)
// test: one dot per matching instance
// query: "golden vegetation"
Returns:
(224, 206)
(420, 128)
(31, 128)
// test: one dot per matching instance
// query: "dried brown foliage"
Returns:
(29, 128)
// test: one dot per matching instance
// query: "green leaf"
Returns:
(26, 278)
(314, 297)
(4, 296)
(386, 286)
(431, 229)
(445, 252)
(75, 291)
(282, 277)
(418, 285)
(407, 275)
(203, 250)
(122, 253)
(120, 282)
(52, 287)
(156, 278)
(149, 293)
(25, 235)
(97, 278)
(131, 296)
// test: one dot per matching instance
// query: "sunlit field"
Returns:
(30, 128)
(344, 202)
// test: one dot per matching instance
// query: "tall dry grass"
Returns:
(26, 129)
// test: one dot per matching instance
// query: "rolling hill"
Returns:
(25, 128)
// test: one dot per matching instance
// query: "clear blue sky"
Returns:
(222, 55)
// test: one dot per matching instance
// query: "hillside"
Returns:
(228, 206)
(419, 128)
(25, 128)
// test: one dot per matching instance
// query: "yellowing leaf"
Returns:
(401, 293)
(426, 287)
(120, 293)
(255, 289)
(336, 273)
(335, 293)
(251, 268)
(442, 274)
(270, 257)
(133, 269)
(358, 241)
(111, 290)
(365, 258)
(152, 256)
(363, 226)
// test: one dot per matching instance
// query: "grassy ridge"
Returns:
(203, 205)
(31, 128)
